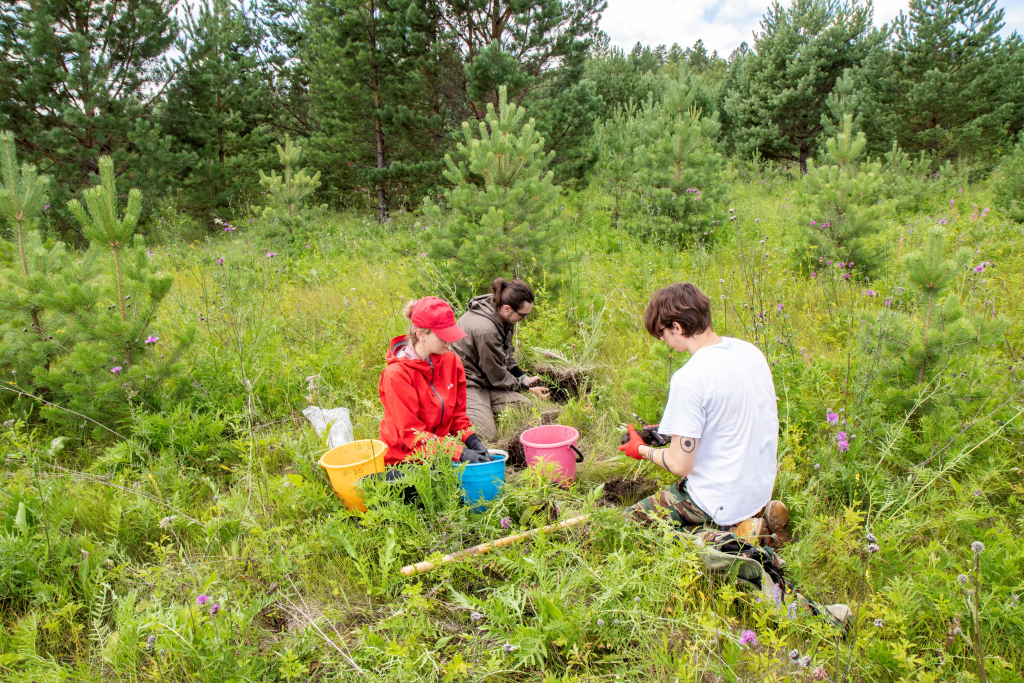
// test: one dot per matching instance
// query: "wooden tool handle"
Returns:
(423, 567)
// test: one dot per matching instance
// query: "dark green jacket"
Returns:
(486, 351)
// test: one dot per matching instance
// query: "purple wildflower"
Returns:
(220, 261)
(813, 274)
(826, 225)
(779, 307)
(846, 276)
(505, 522)
(202, 599)
(229, 228)
(748, 637)
(813, 223)
(819, 674)
(116, 369)
(888, 301)
(152, 339)
(271, 254)
(423, 254)
(871, 292)
(842, 442)
(832, 417)
(214, 608)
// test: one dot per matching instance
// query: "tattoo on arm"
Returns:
(687, 444)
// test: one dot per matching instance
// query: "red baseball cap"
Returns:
(437, 316)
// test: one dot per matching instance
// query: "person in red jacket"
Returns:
(423, 386)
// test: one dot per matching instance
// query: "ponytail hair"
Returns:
(514, 293)
(413, 335)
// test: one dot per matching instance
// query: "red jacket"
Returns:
(422, 399)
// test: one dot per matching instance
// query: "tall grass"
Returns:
(107, 545)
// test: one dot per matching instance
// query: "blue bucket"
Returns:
(482, 481)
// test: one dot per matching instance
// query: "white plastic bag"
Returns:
(335, 421)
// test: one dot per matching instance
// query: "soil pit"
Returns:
(622, 491)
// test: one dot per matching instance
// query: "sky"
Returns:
(724, 24)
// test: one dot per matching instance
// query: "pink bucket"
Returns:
(553, 445)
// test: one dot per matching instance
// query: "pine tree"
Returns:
(110, 364)
(1009, 187)
(288, 192)
(616, 139)
(80, 80)
(538, 50)
(32, 335)
(925, 341)
(906, 181)
(500, 210)
(838, 201)
(376, 80)
(616, 80)
(777, 97)
(677, 165)
(214, 110)
(946, 82)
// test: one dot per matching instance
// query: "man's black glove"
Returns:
(474, 451)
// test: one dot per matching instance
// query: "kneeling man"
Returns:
(723, 422)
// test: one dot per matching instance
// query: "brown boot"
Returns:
(751, 530)
(776, 516)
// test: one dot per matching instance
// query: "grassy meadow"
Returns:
(199, 540)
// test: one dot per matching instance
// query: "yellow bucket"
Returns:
(347, 464)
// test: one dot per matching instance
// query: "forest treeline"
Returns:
(190, 101)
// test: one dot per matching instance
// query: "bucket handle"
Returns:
(579, 454)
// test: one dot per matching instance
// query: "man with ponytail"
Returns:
(494, 379)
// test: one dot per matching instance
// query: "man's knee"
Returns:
(505, 400)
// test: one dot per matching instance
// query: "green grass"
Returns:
(107, 542)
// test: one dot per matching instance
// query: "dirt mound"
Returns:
(621, 491)
(565, 382)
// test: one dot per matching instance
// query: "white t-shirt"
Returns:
(724, 395)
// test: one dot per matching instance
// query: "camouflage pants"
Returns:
(675, 502)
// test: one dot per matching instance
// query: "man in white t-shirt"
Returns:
(723, 422)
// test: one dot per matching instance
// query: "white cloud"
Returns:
(724, 24)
